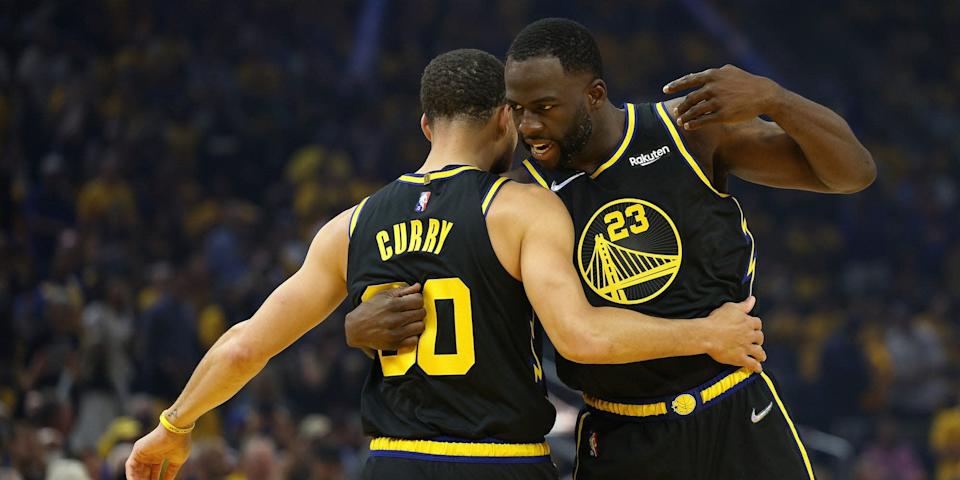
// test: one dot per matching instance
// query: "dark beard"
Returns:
(576, 138)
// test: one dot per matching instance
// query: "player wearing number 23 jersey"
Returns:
(656, 232)
(468, 400)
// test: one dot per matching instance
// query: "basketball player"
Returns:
(468, 400)
(656, 232)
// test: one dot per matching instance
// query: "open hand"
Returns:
(722, 95)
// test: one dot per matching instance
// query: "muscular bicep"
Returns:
(761, 152)
(307, 297)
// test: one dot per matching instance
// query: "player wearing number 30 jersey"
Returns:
(467, 401)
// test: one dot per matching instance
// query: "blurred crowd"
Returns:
(164, 165)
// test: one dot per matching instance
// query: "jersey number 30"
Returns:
(424, 353)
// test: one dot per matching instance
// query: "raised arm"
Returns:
(806, 147)
(295, 307)
(537, 220)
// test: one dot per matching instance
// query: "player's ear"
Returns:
(425, 127)
(596, 93)
(504, 119)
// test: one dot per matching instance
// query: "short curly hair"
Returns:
(565, 39)
(462, 84)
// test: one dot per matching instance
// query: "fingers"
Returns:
(408, 342)
(693, 98)
(407, 336)
(403, 291)
(411, 301)
(154, 472)
(171, 471)
(742, 359)
(136, 470)
(758, 337)
(400, 319)
(369, 352)
(747, 305)
(757, 352)
(751, 364)
(756, 323)
(687, 82)
(704, 120)
(411, 329)
(705, 107)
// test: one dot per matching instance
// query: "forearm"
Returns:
(610, 335)
(833, 152)
(222, 372)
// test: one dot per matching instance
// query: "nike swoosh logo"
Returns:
(554, 186)
(756, 417)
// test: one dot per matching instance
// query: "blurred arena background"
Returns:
(163, 166)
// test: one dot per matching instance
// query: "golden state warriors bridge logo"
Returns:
(630, 251)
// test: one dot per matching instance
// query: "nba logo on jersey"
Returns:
(594, 443)
(422, 203)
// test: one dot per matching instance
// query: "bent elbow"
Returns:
(864, 176)
(869, 171)
(241, 357)
(578, 353)
(239, 353)
(583, 347)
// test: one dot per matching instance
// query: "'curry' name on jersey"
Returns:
(409, 236)
(475, 372)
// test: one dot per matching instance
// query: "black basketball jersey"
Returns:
(476, 372)
(652, 235)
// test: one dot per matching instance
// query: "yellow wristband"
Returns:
(173, 428)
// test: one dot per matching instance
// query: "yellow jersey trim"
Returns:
(580, 421)
(537, 365)
(356, 215)
(627, 409)
(627, 137)
(752, 266)
(488, 198)
(534, 173)
(796, 437)
(668, 122)
(425, 178)
(706, 394)
(458, 449)
(726, 383)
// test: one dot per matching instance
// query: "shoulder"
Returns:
(526, 202)
(708, 134)
(529, 191)
(328, 249)
(339, 227)
(702, 143)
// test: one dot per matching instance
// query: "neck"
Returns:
(608, 125)
(453, 145)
